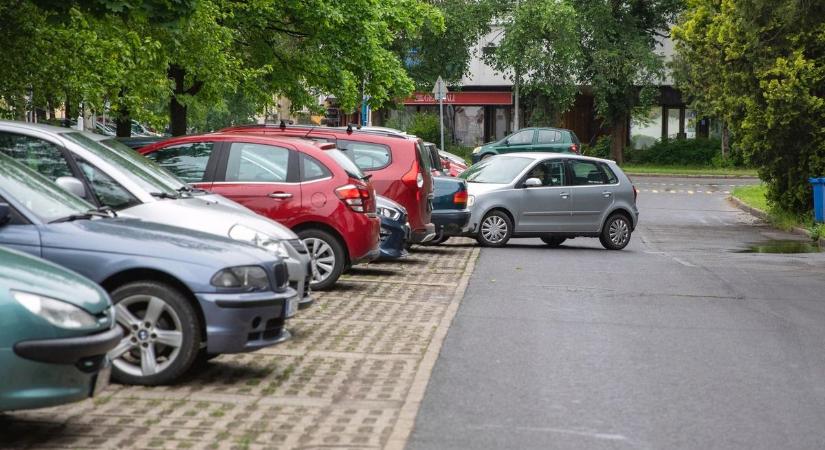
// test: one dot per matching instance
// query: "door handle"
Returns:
(280, 195)
(607, 194)
(564, 195)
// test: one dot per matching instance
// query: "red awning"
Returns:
(463, 98)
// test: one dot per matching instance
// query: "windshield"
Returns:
(133, 166)
(36, 193)
(496, 170)
(347, 164)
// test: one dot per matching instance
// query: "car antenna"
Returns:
(349, 128)
(283, 124)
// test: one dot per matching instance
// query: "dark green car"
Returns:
(556, 140)
(55, 330)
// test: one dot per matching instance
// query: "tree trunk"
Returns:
(69, 112)
(725, 140)
(177, 111)
(618, 135)
(124, 123)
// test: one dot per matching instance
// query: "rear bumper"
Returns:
(244, 322)
(362, 238)
(451, 221)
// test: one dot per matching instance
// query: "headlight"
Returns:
(476, 150)
(56, 312)
(471, 199)
(252, 278)
(391, 214)
(245, 234)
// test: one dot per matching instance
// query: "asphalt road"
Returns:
(679, 341)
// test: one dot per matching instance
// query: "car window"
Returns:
(345, 161)
(550, 172)
(496, 170)
(257, 163)
(38, 155)
(367, 156)
(187, 161)
(435, 157)
(423, 157)
(549, 136)
(143, 163)
(312, 169)
(587, 173)
(611, 177)
(522, 137)
(108, 191)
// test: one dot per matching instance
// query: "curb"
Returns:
(675, 175)
(409, 410)
(758, 213)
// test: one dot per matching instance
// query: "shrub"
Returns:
(601, 149)
(679, 152)
(424, 126)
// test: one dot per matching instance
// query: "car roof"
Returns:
(298, 142)
(379, 136)
(38, 126)
(553, 155)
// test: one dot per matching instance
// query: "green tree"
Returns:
(760, 67)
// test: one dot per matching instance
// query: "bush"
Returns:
(679, 152)
(424, 126)
(460, 150)
(601, 149)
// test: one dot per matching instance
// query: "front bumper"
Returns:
(423, 235)
(85, 352)
(245, 322)
(451, 221)
(394, 236)
(300, 274)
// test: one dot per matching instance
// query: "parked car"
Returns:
(552, 196)
(397, 163)
(456, 165)
(112, 175)
(55, 330)
(450, 211)
(531, 140)
(395, 231)
(310, 187)
(179, 294)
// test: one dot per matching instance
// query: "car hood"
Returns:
(213, 214)
(27, 273)
(130, 236)
(477, 189)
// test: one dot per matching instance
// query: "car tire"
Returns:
(328, 257)
(553, 242)
(616, 232)
(495, 230)
(143, 310)
(203, 358)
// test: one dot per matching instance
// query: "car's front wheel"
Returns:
(553, 241)
(328, 257)
(162, 334)
(495, 230)
(616, 232)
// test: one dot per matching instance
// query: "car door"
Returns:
(521, 141)
(262, 177)
(192, 162)
(548, 141)
(545, 208)
(592, 194)
(19, 233)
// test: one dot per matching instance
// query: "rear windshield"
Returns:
(346, 163)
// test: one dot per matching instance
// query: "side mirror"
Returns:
(532, 182)
(5, 214)
(72, 185)
(506, 142)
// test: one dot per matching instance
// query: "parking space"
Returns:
(343, 380)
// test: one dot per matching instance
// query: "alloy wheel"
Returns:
(619, 231)
(493, 229)
(323, 258)
(153, 336)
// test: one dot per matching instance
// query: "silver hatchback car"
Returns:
(551, 196)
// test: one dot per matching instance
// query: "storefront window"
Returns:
(690, 123)
(646, 129)
(469, 125)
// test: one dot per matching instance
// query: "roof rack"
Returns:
(310, 128)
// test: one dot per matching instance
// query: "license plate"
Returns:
(291, 306)
(102, 379)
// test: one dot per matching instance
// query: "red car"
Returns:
(399, 165)
(310, 187)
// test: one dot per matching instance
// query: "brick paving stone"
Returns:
(340, 382)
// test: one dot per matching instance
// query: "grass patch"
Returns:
(687, 170)
(754, 196)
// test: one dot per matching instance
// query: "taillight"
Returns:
(446, 164)
(460, 198)
(358, 197)
(635, 193)
(414, 176)
(574, 148)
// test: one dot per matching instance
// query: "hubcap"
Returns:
(323, 259)
(153, 336)
(619, 232)
(493, 229)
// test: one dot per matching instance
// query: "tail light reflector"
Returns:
(635, 193)
(414, 176)
(460, 198)
(574, 148)
(358, 197)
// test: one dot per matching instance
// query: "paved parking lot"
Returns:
(351, 377)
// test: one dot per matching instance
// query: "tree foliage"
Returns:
(760, 66)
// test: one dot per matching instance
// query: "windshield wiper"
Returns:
(164, 195)
(187, 189)
(84, 216)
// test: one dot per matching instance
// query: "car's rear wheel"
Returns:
(616, 232)
(328, 257)
(495, 230)
(553, 241)
(162, 334)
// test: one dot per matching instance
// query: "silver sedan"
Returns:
(551, 196)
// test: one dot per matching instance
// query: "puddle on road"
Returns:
(782, 246)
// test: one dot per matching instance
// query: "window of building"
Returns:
(646, 128)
